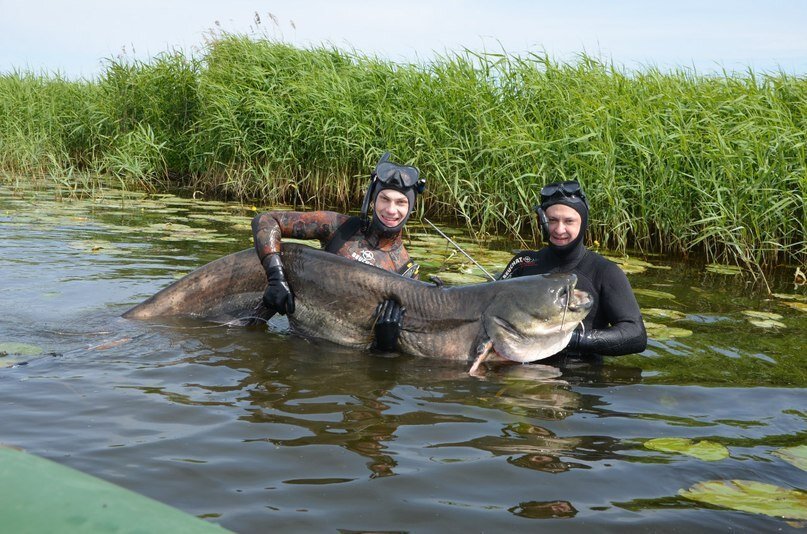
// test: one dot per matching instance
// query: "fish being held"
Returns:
(521, 319)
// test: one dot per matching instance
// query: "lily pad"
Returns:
(767, 323)
(707, 451)
(663, 313)
(661, 332)
(23, 349)
(794, 455)
(729, 270)
(630, 265)
(800, 306)
(761, 314)
(654, 294)
(790, 296)
(750, 496)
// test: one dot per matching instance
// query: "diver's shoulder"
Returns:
(599, 261)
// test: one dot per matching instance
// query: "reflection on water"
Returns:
(256, 429)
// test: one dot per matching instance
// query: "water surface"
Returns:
(255, 429)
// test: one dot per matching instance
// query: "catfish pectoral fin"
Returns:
(483, 351)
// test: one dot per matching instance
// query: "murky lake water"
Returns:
(257, 430)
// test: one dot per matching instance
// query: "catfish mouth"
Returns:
(574, 300)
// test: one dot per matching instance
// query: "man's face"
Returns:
(391, 207)
(564, 224)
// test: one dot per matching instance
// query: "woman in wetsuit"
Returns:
(614, 326)
(373, 240)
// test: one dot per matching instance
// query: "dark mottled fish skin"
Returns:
(526, 318)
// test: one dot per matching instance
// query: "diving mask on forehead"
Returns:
(568, 189)
(399, 176)
(388, 175)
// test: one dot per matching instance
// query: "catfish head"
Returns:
(532, 317)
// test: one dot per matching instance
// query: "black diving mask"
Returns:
(399, 177)
(567, 189)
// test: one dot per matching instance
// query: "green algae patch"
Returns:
(707, 451)
(794, 455)
(750, 496)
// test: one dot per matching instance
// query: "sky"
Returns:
(74, 37)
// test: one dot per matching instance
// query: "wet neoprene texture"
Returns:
(614, 325)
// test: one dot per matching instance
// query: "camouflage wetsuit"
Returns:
(388, 253)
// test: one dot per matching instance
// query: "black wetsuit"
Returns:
(614, 325)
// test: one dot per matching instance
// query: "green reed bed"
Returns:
(672, 161)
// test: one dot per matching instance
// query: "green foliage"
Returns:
(672, 162)
(750, 496)
(707, 451)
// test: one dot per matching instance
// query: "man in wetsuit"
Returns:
(374, 241)
(614, 326)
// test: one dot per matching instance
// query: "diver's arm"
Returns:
(268, 228)
(627, 334)
(627, 337)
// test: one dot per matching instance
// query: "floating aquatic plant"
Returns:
(763, 319)
(98, 247)
(729, 270)
(661, 332)
(663, 313)
(13, 353)
(750, 496)
(708, 451)
(653, 293)
(767, 323)
(795, 301)
(795, 455)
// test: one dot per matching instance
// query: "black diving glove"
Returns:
(575, 342)
(389, 319)
(278, 296)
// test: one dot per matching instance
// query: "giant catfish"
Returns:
(522, 319)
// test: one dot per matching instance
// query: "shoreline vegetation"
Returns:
(673, 162)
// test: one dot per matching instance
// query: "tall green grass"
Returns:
(672, 161)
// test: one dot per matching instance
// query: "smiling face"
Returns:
(564, 224)
(391, 207)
